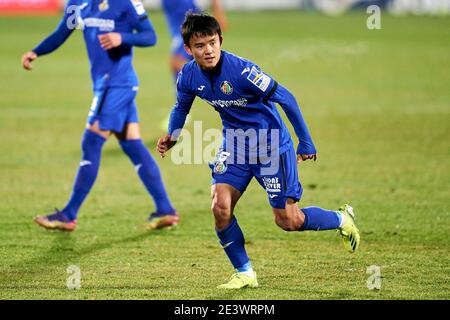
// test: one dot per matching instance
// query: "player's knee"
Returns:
(220, 209)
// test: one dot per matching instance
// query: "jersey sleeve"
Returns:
(185, 98)
(256, 81)
(66, 26)
(289, 104)
(135, 11)
(144, 37)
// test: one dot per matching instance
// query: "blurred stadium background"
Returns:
(378, 106)
(432, 7)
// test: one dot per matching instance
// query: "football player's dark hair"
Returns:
(200, 25)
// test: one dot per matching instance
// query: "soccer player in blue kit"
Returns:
(245, 98)
(111, 28)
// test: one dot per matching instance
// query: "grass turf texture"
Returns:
(377, 105)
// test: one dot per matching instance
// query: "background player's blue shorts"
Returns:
(114, 108)
(280, 186)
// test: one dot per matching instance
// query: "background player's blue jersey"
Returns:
(245, 98)
(109, 68)
(175, 11)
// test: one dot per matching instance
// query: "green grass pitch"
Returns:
(377, 103)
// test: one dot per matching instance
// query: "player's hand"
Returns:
(304, 157)
(110, 40)
(164, 144)
(27, 58)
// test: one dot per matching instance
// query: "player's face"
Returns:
(205, 50)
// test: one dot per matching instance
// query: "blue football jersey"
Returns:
(109, 68)
(240, 92)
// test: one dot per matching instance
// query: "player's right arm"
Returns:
(54, 40)
(185, 98)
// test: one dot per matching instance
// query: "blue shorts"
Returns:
(114, 108)
(280, 185)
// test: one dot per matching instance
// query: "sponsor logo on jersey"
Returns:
(259, 79)
(103, 6)
(241, 102)
(101, 24)
(226, 87)
(138, 6)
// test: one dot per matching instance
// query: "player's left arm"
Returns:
(144, 34)
(257, 82)
(305, 149)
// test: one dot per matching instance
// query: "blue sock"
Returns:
(320, 219)
(232, 241)
(91, 146)
(148, 171)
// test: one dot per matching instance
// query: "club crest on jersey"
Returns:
(103, 6)
(220, 167)
(226, 87)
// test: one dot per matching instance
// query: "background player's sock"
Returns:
(148, 171)
(91, 146)
(321, 219)
(233, 242)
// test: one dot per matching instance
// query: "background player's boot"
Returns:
(56, 221)
(162, 220)
(349, 232)
(240, 280)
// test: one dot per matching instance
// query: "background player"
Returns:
(175, 12)
(111, 28)
(245, 98)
